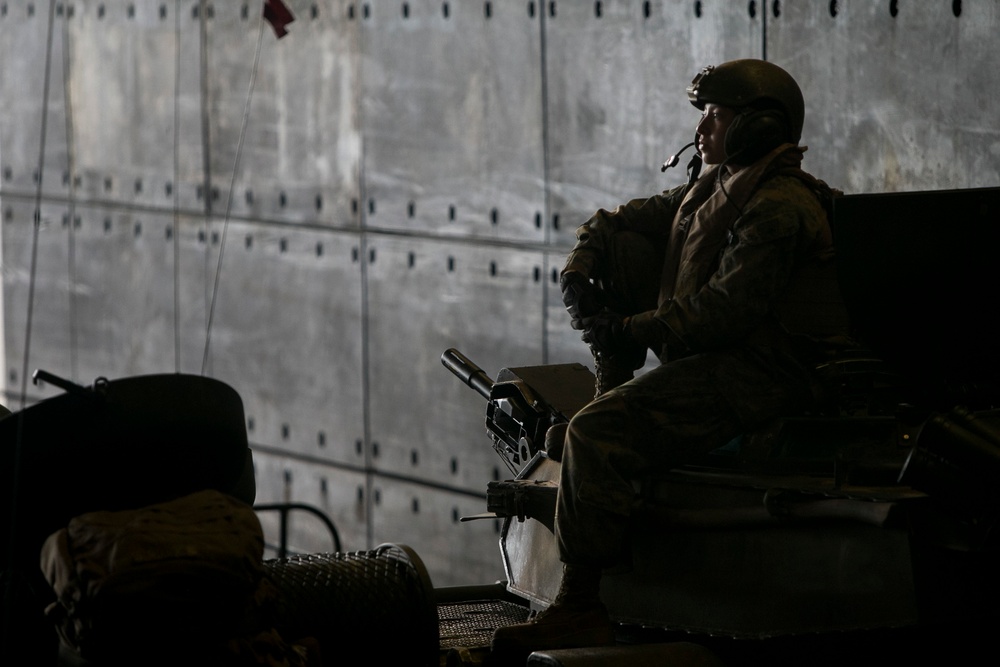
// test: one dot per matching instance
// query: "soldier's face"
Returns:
(711, 130)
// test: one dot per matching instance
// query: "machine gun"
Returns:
(524, 402)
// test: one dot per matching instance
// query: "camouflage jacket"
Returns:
(745, 266)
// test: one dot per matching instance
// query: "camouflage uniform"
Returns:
(732, 291)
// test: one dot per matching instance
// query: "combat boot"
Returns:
(576, 619)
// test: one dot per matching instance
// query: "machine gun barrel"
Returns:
(468, 372)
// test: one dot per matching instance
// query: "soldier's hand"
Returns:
(606, 333)
(582, 298)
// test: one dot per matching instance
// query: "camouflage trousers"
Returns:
(661, 419)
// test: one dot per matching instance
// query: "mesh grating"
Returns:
(471, 624)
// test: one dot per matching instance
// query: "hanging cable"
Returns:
(229, 200)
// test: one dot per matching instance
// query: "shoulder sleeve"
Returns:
(651, 217)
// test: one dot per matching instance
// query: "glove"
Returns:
(582, 298)
(607, 334)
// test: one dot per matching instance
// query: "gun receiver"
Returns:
(524, 402)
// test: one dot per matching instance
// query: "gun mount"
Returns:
(524, 402)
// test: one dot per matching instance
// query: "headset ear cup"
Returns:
(753, 134)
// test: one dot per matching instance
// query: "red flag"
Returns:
(278, 15)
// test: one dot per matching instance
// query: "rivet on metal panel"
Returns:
(361, 494)
(552, 8)
(697, 9)
(215, 238)
(248, 241)
(354, 206)
(538, 220)
(319, 249)
(555, 221)
(137, 229)
(100, 11)
(375, 449)
(7, 173)
(493, 269)
(358, 447)
(406, 10)
(371, 255)
(168, 188)
(411, 209)
(531, 9)
(354, 254)
(414, 457)
(445, 9)
(131, 11)
(319, 202)
(323, 487)
(321, 439)
(494, 216)
(282, 245)
(451, 264)
(371, 207)
(314, 11)
(77, 181)
(451, 213)
(107, 184)
(488, 9)
(956, 7)
(71, 11)
(350, 12)
(31, 9)
(163, 12)
(107, 225)
(454, 465)
(138, 185)
(366, 10)
(169, 232)
(250, 423)
(13, 376)
(893, 8)
(285, 431)
(282, 199)
(411, 260)
(555, 276)
(496, 474)
(454, 515)
(646, 11)
(597, 8)
(833, 8)
(76, 222)
(776, 8)
(249, 197)
(415, 506)
(537, 274)
(752, 9)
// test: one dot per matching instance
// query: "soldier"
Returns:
(730, 281)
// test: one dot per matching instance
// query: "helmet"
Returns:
(768, 101)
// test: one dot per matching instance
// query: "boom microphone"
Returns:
(675, 158)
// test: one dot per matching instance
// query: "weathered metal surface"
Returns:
(286, 332)
(425, 297)
(898, 96)
(450, 105)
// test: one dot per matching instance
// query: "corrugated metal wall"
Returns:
(410, 179)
